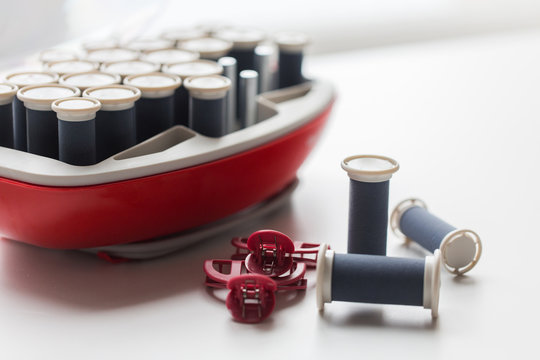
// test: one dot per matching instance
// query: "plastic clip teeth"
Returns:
(303, 252)
(252, 297)
(270, 253)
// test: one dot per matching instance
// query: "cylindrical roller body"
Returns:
(42, 133)
(181, 106)
(290, 68)
(77, 142)
(154, 115)
(6, 125)
(248, 98)
(115, 132)
(229, 71)
(424, 228)
(208, 117)
(368, 217)
(263, 66)
(19, 125)
(377, 279)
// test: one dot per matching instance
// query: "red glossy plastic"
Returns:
(270, 253)
(153, 206)
(219, 272)
(303, 252)
(252, 297)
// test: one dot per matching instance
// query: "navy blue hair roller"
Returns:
(155, 110)
(77, 130)
(7, 94)
(291, 55)
(460, 249)
(207, 106)
(41, 121)
(368, 202)
(378, 279)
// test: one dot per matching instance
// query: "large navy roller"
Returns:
(378, 279)
(460, 249)
(181, 95)
(368, 202)
(116, 126)
(208, 48)
(41, 121)
(22, 79)
(207, 104)
(7, 94)
(77, 130)
(155, 110)
(291, 55)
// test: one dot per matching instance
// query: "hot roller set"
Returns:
(117, 143)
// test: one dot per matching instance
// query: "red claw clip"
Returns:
(270, 253)
(303, 251)
(252, 297)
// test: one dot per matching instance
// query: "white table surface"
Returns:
(463, 119)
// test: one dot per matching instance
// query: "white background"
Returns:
(462, 118)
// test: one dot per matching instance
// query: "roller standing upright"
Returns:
(116, 126)
(155, 108)
(368, 202)
(207, 105)
(291, 55)
(22, 79)
(185, 70)
(7, 93)
(77, 130)
(42, 124)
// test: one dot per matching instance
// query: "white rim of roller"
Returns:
(183, 34)
(7, 95)
(208, 87)
(207, 47)
(449, 258)
(100, 44)
(114, 103)
(112, 54)
(432, 283)
(289, 41)
(397, 213)
(369, 173)
(51, 55)
(153, 89)
(149, 44)
(325, 262)
(170, 56)
(61, 67)
(53, 78)
(129, 67)
(193, 68)
(70, 79)
(82, 109)
(43, 102)
(242, 38)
